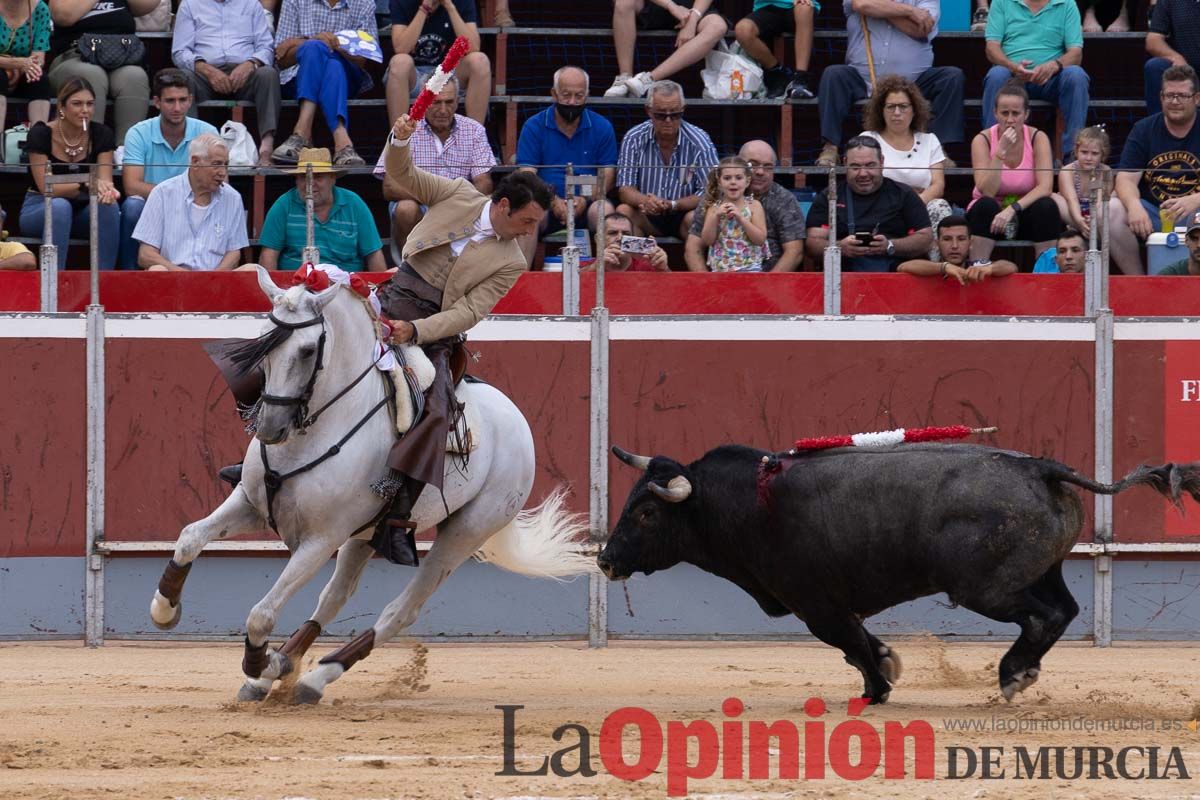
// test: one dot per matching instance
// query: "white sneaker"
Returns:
(618, 89)
(119, 156)
(639, 84)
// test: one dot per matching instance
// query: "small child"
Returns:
(735, 226)
(1078, 180)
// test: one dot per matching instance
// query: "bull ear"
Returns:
(267, 285)
(677, 490)
(636, 461)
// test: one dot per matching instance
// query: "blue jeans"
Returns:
(70, 220)
(841, 87)
(1068, 90)
(131, 212)
(326, 79)
(1153, 72)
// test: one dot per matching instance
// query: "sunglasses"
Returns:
(666, 116)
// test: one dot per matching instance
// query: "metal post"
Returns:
(94, 232)
(833, 254)
(1094, 263)
(94, 575)
(571, 252)
(311, 254)
(598, 468)
(48, 255)
(1103, 576)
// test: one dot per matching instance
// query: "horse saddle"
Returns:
(419, 377)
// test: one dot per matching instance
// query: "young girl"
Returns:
(735, 226)
(1078, 180)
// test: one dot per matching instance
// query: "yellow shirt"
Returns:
(10, 249)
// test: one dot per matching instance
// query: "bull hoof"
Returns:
(305, 695)
(164, 615)
(878, 699)
(253, 691)
(1019, 682)
(890, 664)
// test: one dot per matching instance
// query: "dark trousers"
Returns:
(1153, 72)
(842, 87)
(262, 87)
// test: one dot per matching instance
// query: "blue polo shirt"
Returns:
(146, 147)
(345, 238)
(541, 142)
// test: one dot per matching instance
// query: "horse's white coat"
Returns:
(317, 511)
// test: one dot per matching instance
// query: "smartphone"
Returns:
(637, 244)
(865, 239)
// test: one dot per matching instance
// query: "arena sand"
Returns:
(150, 720)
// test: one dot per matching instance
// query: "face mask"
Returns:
(568, 113)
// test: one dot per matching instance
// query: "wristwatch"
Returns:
(891, 247)
(674, 205)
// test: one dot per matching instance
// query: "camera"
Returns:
(637, 244)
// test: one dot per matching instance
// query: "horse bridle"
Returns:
(302, 419)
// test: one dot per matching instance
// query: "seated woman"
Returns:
(1014, 178)
(69, 144)
(896, 116)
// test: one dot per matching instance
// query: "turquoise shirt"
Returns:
(785, 4)
(345, 238)
(146, 147)
(1024, 36)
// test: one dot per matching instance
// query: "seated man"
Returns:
(422, 32)
(321, 75)
(1069, 255)
(227, 50)
(902, 33)
(14, 255)
(954, 242)
(1044, 49)
(663, 166)
(880, 222)
(343, 229)
(756, 33)
(700, 28)
(446, 144)
(568, 133)
(1191, 264)
(1157, 183)
(785, 219)
(156, 149)
(618, 260)
(1174, 41)
(194, 221)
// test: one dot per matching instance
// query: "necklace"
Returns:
(75, 150)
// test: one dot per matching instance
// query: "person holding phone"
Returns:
(880, 222)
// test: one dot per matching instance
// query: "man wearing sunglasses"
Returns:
(1158, 182)
(663, 166)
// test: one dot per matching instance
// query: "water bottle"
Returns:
(1010, 228)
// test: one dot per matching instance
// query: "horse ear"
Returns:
(325, 296)
(267, 285)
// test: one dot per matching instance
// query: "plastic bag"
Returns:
(242, 150)
(725, 68)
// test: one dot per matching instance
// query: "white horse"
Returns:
(318, 510)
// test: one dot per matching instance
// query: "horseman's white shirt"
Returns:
(483, 231)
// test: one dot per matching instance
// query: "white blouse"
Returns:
(911, 167)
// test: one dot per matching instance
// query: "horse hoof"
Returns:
(164, 615)
(305, 695)
(252, 691)
(1019, 682)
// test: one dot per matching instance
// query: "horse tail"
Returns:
(543, 542)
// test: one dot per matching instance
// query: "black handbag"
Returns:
(111, 50)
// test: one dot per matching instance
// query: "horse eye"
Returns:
(308, 351)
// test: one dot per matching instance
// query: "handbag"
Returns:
(242, 150)
(110, 51)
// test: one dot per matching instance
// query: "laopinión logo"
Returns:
(853, 749)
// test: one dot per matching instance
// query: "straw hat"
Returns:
(320, 160)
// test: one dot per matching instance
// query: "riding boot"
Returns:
(395, 536)
(231, 474)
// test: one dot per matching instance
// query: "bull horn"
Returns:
(640, 462)
(678, 489)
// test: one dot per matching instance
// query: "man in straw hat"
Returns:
(343, 228)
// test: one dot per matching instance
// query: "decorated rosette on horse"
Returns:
(335, 395)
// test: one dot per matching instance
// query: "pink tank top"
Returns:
(1018, 180)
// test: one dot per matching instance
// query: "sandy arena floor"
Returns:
(159, 720)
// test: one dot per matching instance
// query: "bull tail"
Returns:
(1170, 480)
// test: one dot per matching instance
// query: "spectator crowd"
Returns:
(75, 73)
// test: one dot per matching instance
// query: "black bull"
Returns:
(839, 535)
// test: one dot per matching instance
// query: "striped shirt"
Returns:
(465, 154)
(640, 163)
(307, 18)
(184, 234)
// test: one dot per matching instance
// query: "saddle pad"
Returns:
(467, 423)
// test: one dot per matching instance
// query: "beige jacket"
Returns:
(472, 283)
